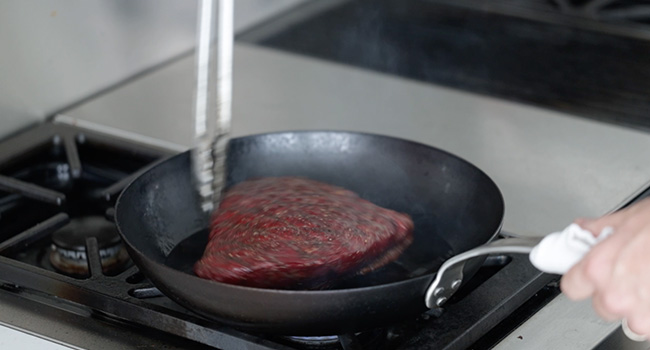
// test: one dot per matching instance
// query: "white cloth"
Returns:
(559, 251)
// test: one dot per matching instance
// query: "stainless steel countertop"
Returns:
(57, 52)
(550, 167)
(65, 326)
(567, 325)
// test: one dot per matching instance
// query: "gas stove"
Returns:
(64, 277)
(59, 247)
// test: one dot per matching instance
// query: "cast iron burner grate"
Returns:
(56, 174)
(65, 179)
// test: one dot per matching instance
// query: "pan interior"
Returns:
(412, 263)
(454, 205)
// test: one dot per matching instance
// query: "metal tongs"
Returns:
(212, 116)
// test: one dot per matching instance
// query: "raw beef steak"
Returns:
(289, 232)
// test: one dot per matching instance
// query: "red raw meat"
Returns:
(287, 232)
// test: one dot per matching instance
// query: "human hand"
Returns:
(616, 272)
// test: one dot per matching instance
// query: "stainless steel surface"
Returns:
(223, 114)
(212, 109)
(450, 275)
(550, 167)
(57, 52)
(119, 133)
(13, 122)
(203, 123)
(77, 328)
(10, 336)
(567, 325)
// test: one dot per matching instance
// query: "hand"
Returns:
(616, 272)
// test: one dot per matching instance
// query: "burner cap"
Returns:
(73, 235)
(315, 340)
(68, 251)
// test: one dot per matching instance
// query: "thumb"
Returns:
(596, 226)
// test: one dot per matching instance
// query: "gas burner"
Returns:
(379, 338)
(318, 341)
(68, 249)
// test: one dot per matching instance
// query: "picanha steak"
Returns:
(290, 232)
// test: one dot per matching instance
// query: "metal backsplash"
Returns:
(54, 53)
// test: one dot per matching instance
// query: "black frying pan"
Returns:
(454, 205)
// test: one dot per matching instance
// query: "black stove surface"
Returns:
(56, 178)
(584, 57)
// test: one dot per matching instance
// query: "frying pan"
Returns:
(454, 206)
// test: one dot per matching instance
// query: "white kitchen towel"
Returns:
(559, 251)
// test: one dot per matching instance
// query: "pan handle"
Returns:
(450, 275)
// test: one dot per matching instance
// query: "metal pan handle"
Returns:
(450, 275)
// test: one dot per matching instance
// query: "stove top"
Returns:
(58, 247)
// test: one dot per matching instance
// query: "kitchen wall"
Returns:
(54, 53)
